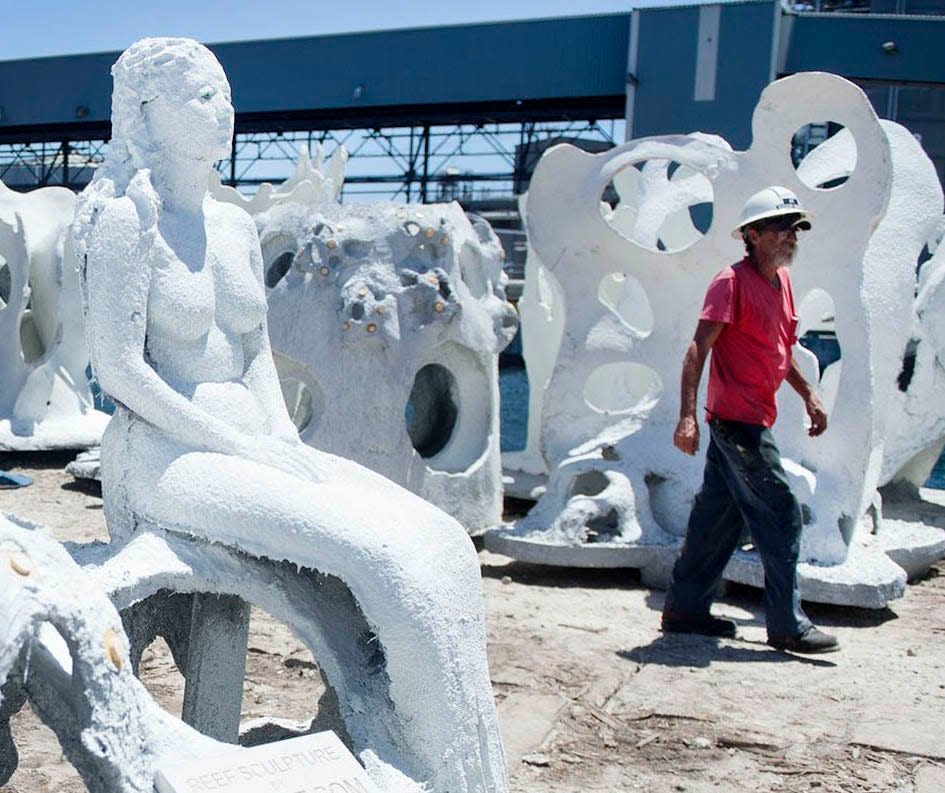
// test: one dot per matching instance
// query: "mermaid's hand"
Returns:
(289, 455)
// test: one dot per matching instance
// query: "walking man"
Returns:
(749, 324)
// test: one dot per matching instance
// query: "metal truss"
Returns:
(467, 162)
(422, 163)
(25, 166)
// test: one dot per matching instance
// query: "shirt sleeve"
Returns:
(719, 305)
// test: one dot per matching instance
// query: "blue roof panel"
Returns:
(572, 57)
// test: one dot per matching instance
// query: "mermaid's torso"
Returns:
(204, 297)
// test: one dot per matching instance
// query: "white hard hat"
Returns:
(770, 203)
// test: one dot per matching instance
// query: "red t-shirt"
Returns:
(752, 355)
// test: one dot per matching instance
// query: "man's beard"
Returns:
(785, 258)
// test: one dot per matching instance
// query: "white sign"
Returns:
(317, 763)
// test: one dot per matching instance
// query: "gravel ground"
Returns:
(591, 695)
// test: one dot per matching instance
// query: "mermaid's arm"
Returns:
(118, 280)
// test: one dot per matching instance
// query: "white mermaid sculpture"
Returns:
(201, 445)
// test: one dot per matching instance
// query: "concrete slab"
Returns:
(598, 554)
(526, 720)
(930, 779)
(915, 547)
(867, 579)
(910, 732)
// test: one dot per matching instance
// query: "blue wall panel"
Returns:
(666, 68)
(853, 47)
(574, 57)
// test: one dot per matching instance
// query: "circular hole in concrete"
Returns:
(6, 278)
(299, 401)
(622, 387)
(432, 411)
(278, 252)
(661, 205)
(589, 483)
(303, 395)
(276, 271)
(626, 297)
(824, 154)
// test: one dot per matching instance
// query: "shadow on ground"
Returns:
(824, 614)
(11, 461)
(91, 487)
(563, 577)
(676, 649)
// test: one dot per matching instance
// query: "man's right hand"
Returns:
(686, 437)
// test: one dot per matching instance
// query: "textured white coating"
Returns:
(374, 305)
(202, 446)
(45, 400)
(611, 404)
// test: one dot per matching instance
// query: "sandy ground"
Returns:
(591, 695)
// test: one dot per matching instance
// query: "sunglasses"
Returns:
(784, 225)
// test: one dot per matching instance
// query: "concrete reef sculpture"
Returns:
(917, 439)
(201, 451)
(45, 399)
(631, 280)
(64, 651)
(913, 420)
(386, 322)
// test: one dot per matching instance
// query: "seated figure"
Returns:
(201, 444)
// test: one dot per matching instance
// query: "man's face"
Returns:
(775, 240)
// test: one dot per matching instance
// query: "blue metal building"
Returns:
(422, 100)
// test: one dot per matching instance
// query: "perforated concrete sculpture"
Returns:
(541, 311)
(202, 451)
(314, 183)
(620, 494)
(918, 437)
(45, 400)
(386, 323)
(63, 649)
(916, 416)
(910, 414)
(654, 209)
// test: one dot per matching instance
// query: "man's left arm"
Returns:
(815, 408)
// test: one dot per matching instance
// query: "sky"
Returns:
(34, 28)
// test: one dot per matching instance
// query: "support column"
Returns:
(216, 665)
(426, 164)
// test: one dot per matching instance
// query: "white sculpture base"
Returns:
(874, 573)
(867, 579)
(87, 465)
(68, 432)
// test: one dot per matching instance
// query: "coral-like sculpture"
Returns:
(917, 438)
(542, 323)
(45, 399)
(386, 323)
(201, 449)
(631, 283)
(909, 411)
(64, 650)
(314, 183)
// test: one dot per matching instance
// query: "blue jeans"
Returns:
(744, 485)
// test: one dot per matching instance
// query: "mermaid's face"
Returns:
(191, 115)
